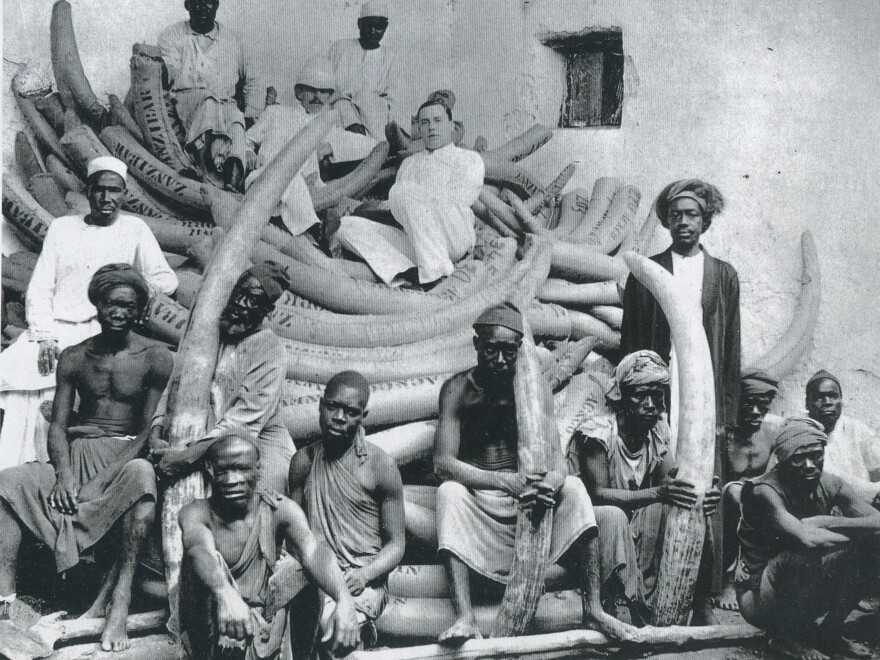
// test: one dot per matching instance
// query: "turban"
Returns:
(107, 164)
(796, 434)
(638, 368)
(377, 8)
(272, 278)
(757, 381)
(707, 197)
(506, 315)
(823, 375)
(317, 73)
(113, 275)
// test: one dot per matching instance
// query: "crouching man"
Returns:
(798, 562)
(232, 596)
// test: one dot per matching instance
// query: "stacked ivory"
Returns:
(336, 316)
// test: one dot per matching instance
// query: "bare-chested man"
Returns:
(231, 588)
(353, 495)
(798, 562)
(96, 484)
(476, 456)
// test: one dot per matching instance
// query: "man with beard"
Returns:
(626, 464)
(798, 561)
(476, 456)
(247, 385)
(352, 493)
(97, 484)
(234, 596)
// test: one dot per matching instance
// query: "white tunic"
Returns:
(367, 77)
(852, 453)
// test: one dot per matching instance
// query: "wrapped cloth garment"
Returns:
(366, 79)
(26, 488)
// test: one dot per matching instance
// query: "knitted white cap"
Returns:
(107, 164)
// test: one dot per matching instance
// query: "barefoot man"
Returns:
(799, 562)
(353, 494)
(231, 588)
(96, 484)
(476, 456)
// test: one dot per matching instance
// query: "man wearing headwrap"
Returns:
(59, 313)
(853, 451)
(365, 72)
(797, 561)
(711, 292)
(627, 467)
(247, 385)
(476, 457)
(97, 484)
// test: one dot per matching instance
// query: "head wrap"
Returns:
(317, 73)
(272, 277)
(707, 197)
(758, 381)
(377, 8)
(506, 314)
(797, 433)
(113, 275)
(107, 164)
(823, 375)
(638, 368)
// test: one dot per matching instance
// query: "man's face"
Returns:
(245, 310)
(202, 14)
(435, 126)
(685, 223)
(497, 350)
(106, 192)
(752, 410)
(341, 413)
(234, 474)
(824, 402)
(312, 99)
(372, 29)
(643, 405)
(805, 466)
(118, 310)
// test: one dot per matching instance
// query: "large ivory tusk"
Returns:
(66, 64)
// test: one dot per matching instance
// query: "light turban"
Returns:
(757, 381)
(796, 434)
(505, 314)
(107, 164)
(377, 8)
(112, 275)
(638, 368)
(272, 277)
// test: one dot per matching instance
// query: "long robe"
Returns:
(366, 78)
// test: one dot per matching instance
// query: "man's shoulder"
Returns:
(193, 511)
(598, 429)
(723, 266)
(174, 30)
(458, 383)
(852, 425)
(65, 222)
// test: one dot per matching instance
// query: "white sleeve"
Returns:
(150, 261)
(41, 291)
(171, 53)
(469, 179)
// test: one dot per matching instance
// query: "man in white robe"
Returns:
(364, 72)
(59, 313)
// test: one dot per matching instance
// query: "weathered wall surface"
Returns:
(774, 102)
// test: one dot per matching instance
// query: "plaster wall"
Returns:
(774, 102)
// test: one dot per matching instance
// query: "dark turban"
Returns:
(638, 368)
(798, 433)
(821, 375)
(757, 381)
(272, 277)
(707, 196)
(505, 314)
(113, 275)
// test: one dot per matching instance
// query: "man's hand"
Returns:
(233, 615)
(542, 492)
(346, 631)
(677, 491)
(47, 357)
(712, 498)
(823, 539)
(64, 495)
(171, 461)
(355, 581)
(156, 441)
(516, 484)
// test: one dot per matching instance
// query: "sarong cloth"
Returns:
(26, 489)
(366, 79)
(348, 519)
(252, 576)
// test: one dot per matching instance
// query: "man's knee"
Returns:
(611, 518)
(450, 492)
(140, 470)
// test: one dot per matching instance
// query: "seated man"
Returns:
(625, 462)
(853, 451)
(206, 63)
(747, 455)
(799, 562)
(352, 493)
(231, 587)
(431, 200)
(314, 90)
(247, 386)
(476, 455)
(96, 484)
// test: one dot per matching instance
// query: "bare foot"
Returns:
(611, 627)
(703, 614)
(463, 629)
(787, 647)
(115, 637)
(727, 600)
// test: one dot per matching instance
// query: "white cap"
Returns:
(107, 164)
(377, 8)
(317, 73)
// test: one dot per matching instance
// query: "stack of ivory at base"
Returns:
(337, 315)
